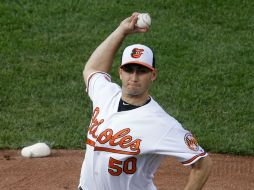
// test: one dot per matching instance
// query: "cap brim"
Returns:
(139, 63)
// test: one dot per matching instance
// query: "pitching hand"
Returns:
(128, 25)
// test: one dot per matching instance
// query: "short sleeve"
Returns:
(181, 144)
(100, 86)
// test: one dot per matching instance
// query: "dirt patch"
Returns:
(60, 171)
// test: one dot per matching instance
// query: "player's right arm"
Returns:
(102, 58)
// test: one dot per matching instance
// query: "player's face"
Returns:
(136, 80)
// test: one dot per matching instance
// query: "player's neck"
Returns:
(135, 100)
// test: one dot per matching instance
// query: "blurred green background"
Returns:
(204, 52)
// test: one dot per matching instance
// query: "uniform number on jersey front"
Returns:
(116, 167)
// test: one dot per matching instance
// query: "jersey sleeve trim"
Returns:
(194, 159)
(108, 77)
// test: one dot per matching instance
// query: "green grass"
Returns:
(204, 52)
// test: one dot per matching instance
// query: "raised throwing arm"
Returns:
(103, 56)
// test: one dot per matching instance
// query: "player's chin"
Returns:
(134, 92)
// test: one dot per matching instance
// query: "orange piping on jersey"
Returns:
(193, 158)
(115, 151)
(107, 76)
(90, 142)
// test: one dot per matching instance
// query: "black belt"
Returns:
(80, 188)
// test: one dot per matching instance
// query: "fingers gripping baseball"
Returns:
(129, 25)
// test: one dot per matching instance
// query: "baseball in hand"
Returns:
(144, 20)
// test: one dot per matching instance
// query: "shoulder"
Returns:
(161, 115)
(97, 75)
(99, 85)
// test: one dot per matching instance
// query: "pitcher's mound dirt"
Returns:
(60, 171)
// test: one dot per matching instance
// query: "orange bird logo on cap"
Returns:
(136, 53)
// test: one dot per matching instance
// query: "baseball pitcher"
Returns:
(129, 132)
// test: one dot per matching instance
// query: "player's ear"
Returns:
(120, 72)
(154, 75)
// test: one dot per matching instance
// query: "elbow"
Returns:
(86, 71)
(85, 68)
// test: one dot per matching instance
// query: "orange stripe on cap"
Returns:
(139, 63)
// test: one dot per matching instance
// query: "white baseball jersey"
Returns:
(124, 149)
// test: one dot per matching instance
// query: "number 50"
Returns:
(116, 167)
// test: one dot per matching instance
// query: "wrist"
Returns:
(120, 32)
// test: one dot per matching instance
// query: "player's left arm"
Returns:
(199, 174)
